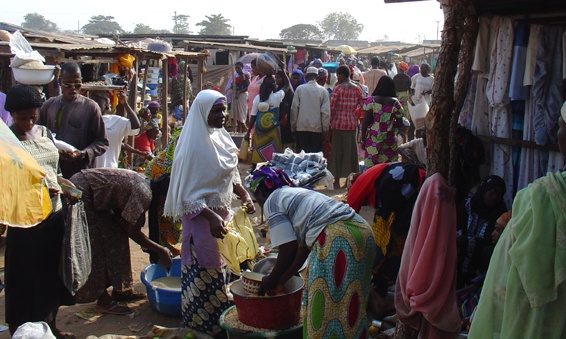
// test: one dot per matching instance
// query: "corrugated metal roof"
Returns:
(417, 52)
(399, 49)
(102, 49)
(71, 38)
(232, 47)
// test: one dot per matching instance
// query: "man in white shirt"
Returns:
(372, 76)
(117, 127)
(310, 114)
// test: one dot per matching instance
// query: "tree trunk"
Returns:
(466, 60)
(442, 118)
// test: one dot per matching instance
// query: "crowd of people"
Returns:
(356, 118)
(429, 254)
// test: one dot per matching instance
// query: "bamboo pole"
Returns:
(518, 143)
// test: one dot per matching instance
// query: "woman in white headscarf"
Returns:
(203, 179)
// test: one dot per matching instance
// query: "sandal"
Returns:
(65, 335)
(114, 308)
(129, 296)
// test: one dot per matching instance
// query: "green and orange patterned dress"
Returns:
(341, 259)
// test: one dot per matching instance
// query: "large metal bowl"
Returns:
(34, 77)
(265, 265)
(270, 312)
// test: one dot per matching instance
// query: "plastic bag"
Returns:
(23, 52)
(244, 151)
(240, 243)
(76, 258)
(268, 63)
(418, 113)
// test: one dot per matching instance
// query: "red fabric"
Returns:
(362, 191)
(425, 292)
(343, 105)
(143, 143)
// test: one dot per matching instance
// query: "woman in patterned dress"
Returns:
(343, 250)
(204, 178)
(115, 202)
(381, 125)
(34, 290)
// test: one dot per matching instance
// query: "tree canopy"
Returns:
(341, 26)
(37, 21)
(100, 24)
(301, 32)
(146, 29)
(181, 24)
(215, 24)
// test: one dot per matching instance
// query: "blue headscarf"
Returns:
(299, 72)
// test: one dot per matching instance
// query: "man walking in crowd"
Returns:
(310, 114)
(117, 127)
(402, 86)
(76, 120)
(372, 76)
(421, 90)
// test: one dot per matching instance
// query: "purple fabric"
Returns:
(205, 245)
(4, 115)
(220, 101)
(413, 70)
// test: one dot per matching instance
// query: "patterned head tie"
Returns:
(272, 178)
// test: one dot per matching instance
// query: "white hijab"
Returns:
(204, 164)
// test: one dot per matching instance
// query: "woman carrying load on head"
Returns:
(203, 181)
(302, 221)
(34, 290)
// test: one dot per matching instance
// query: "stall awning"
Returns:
(231, 47)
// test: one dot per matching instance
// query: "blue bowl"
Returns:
(163, 300)
(330, 66)
(151, 86)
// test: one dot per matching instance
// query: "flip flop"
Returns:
(131, 296)
(114, 308)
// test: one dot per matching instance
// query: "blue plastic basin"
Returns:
(166, 301)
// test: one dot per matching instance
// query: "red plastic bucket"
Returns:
(274, 313)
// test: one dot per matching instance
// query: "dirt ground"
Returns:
(145, 317)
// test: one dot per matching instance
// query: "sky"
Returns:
(406, 22)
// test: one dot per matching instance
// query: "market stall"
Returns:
(103, 55)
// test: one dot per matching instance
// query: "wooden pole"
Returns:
(200, 77)
(144, 83)
(132, 97)
(164, 104)
(185, 84)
